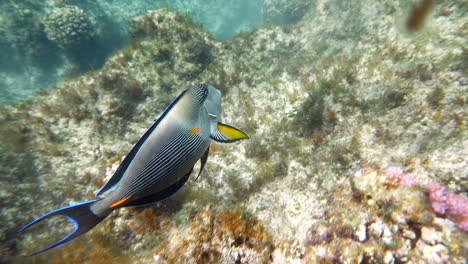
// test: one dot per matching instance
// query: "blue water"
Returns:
(33, 59)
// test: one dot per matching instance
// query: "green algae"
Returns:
(436, 96)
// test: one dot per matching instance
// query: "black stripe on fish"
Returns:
(200, 92)
(131, 155)
(185, 156)
(178, 153)
(161, 161)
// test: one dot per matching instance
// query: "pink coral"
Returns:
(454, 206)
(463, 225)
(359, 174)
(438, 198)
(458, 210)
(398, 177)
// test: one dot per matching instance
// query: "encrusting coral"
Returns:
(454, 206)
(444, 203)
(217, 237)
(376, 219)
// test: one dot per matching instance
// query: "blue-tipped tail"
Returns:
(80, 215)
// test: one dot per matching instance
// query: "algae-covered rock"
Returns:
(216, 238)
(345, 88)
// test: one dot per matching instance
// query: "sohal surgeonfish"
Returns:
(159, 164)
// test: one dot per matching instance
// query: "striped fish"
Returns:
(159, 164)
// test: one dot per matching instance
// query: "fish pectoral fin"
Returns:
(223, 133)
(203, 160)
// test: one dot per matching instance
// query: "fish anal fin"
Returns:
(161, 195)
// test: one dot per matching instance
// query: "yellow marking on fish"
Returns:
(194, 130)
(231, 133)
(120, 202)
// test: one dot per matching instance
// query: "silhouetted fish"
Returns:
(418, 15)
(159, 164)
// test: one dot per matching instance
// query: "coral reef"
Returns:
(26, 53)
(452, 205)
(69, 26)
(344, 88)
(397, 177)
(373, 220)
(47, 41)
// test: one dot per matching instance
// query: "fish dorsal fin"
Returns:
(161, 195)
(223, 133)
(203, 161)
(111, 184)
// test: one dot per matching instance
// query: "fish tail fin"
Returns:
(80, 215)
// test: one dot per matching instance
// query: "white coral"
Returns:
(68, 26)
